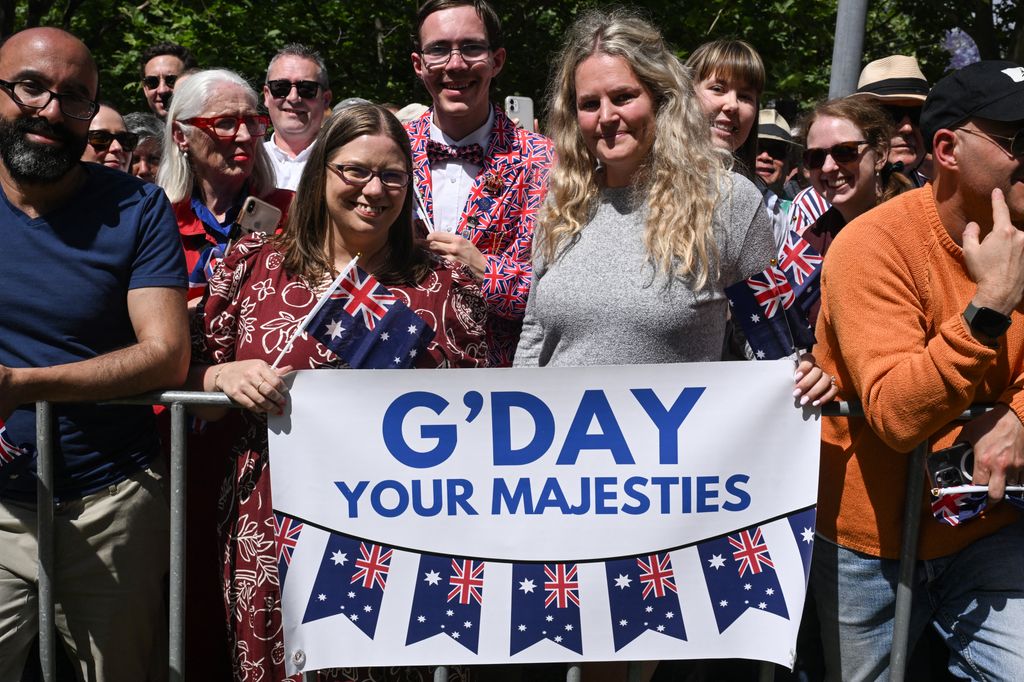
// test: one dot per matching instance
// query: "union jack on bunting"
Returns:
(545, 605)
(286, 537)
(643, 596)
(447, 599)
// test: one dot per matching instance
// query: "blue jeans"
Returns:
(974, 599)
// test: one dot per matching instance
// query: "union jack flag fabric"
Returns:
(209, 259)
(643, 596)
(367, 326)
(953, 510)
(802, 525)
(499, 217)
(351, 581)
(763, 307)
(545, 605)
(9, 452)
(447, 599)
(806, 208)
(286, 537)
(802, 265)
(740, 575)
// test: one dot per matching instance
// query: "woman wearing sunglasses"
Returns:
(109, 142)
(847, 143)
(213, 160)
(353, 198)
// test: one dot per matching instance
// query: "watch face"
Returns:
(989, 322)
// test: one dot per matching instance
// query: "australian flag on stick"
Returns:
(366, 325)
(545, 605)
(643, 596)
(740, 575)
(802, 265)
(953, 510)
(448, 598)
(351, 581)
(763, 305)
(9, 452)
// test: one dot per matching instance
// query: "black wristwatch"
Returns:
(985, 321)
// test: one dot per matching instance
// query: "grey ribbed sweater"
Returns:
(601, 302)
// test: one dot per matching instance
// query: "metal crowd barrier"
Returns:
(177, 400)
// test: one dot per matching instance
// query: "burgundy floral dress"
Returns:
(251, 310)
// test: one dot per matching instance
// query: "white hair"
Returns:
(190, 99)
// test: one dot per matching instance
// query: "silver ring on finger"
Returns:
(259, 389)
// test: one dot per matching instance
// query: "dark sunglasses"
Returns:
(777, 150)
(280, 88)
(896, 114)
(844, 152)
(100, 140)
(153, 82)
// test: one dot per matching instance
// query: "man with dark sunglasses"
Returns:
(921, 317)
(897, 84)
(480, 179)
(92, 308)
(161, 66)
(298, 97)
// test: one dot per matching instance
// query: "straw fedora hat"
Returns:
(894, 80)
(771, 126)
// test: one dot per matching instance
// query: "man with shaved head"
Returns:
(92, 308)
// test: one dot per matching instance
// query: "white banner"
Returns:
(640, 512)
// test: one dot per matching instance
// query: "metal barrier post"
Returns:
(574, 673)
(177, 587)
(44, 511)
(908, 562)
(634, 671)
(766, 672)
(441, 673)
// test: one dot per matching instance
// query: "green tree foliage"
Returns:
(367, 45)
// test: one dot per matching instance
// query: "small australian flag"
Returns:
(448, 599)
(545, 605)
(740, 575)
(643, 596)
(764, 306)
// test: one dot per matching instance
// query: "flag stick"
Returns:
(423, 208)
(774, 262)
(309, 316)
(968, 489)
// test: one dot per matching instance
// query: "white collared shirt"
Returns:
(452, 180)
(287, 169)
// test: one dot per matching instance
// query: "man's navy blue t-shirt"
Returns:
(64, 299)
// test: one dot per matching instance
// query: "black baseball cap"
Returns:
(991, 89)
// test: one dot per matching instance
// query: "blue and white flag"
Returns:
(802, 525)
(764, 306)
(448, 597)
(545, 605)
(643, 596)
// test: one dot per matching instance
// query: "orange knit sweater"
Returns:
(894, 287)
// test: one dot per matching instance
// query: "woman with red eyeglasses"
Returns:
(109, 142)
(847, 142)
(213, 160)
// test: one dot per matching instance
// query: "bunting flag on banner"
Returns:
(448, 599)
(545, 605)
(643, 596)
(763, 305)
(740, 575)
(286, 537)
(802, 265)
(953, 510)
(350, 582)
(367, 326)
(802, 525)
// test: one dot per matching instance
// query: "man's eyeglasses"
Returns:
(360, 175)
(281, 88)
(34, 96)
(844, 152)
(1014, 146)
(100, 140)
(896, 114)
(226, 127)
(153, 82)
(438, 54)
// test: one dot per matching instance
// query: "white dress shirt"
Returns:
(287, 169)
(452, 180)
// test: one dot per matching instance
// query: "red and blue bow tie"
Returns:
(438, 151)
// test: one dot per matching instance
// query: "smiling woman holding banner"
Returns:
(300, 301)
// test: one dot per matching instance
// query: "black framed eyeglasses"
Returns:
(34, 96)
(773, 148)
(361, 175)
(153, 82)
(226, 127)
(1014, 146)
(282, 87)
(438, 54)
(844, 152)
(100, 140)
(896, 114)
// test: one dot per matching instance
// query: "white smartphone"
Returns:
(258, 216)
(520, 109)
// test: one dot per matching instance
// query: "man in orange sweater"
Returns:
(921, 317)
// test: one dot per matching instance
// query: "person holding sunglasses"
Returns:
(297, 97)
(355, 197)
(161, 66)
(213, 160)
(110, 143)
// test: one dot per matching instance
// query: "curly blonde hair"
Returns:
(680, 176)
